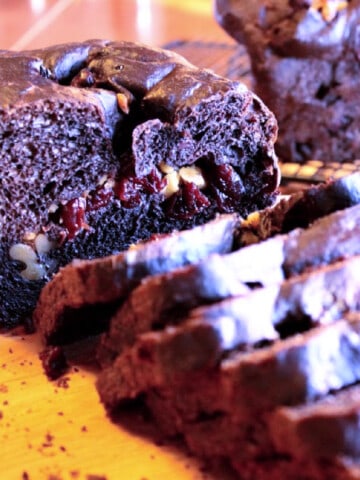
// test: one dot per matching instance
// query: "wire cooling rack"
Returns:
(231, 61)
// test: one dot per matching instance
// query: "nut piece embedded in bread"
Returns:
(25, 254)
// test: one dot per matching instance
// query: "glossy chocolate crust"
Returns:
(155, 84)
(77, 115)
(306, 66)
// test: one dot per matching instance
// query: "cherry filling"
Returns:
(73, 216)
(99, 198)
(186, 202)
(223, 185)
(132, 190)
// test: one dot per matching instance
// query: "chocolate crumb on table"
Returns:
(63, 382)
(96, 477)
(54, 362)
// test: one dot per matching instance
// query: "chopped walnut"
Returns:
(123, 103)
(165, 168)
(190, 174)
(254, 228)
(329, 8)
(172, 183)
(194, 175)
(25, 254)
(43, 244)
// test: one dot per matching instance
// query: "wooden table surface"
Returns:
(38, 23)
(59, 430)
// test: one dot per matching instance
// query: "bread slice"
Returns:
(166, 299)
(319, 297)
(240, 409)
(87, 286)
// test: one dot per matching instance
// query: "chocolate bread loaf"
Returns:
(222, 402)
(101, 147)
(224, 411)
(253, 380)
(219, 345)
(224, 375)
(165, 299)
(322, 296)
(86, 285)
(305, 64)
(301, 208)
(301, 431)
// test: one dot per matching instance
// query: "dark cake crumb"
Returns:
(48, 440)
(54, 362)
(63, 382)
